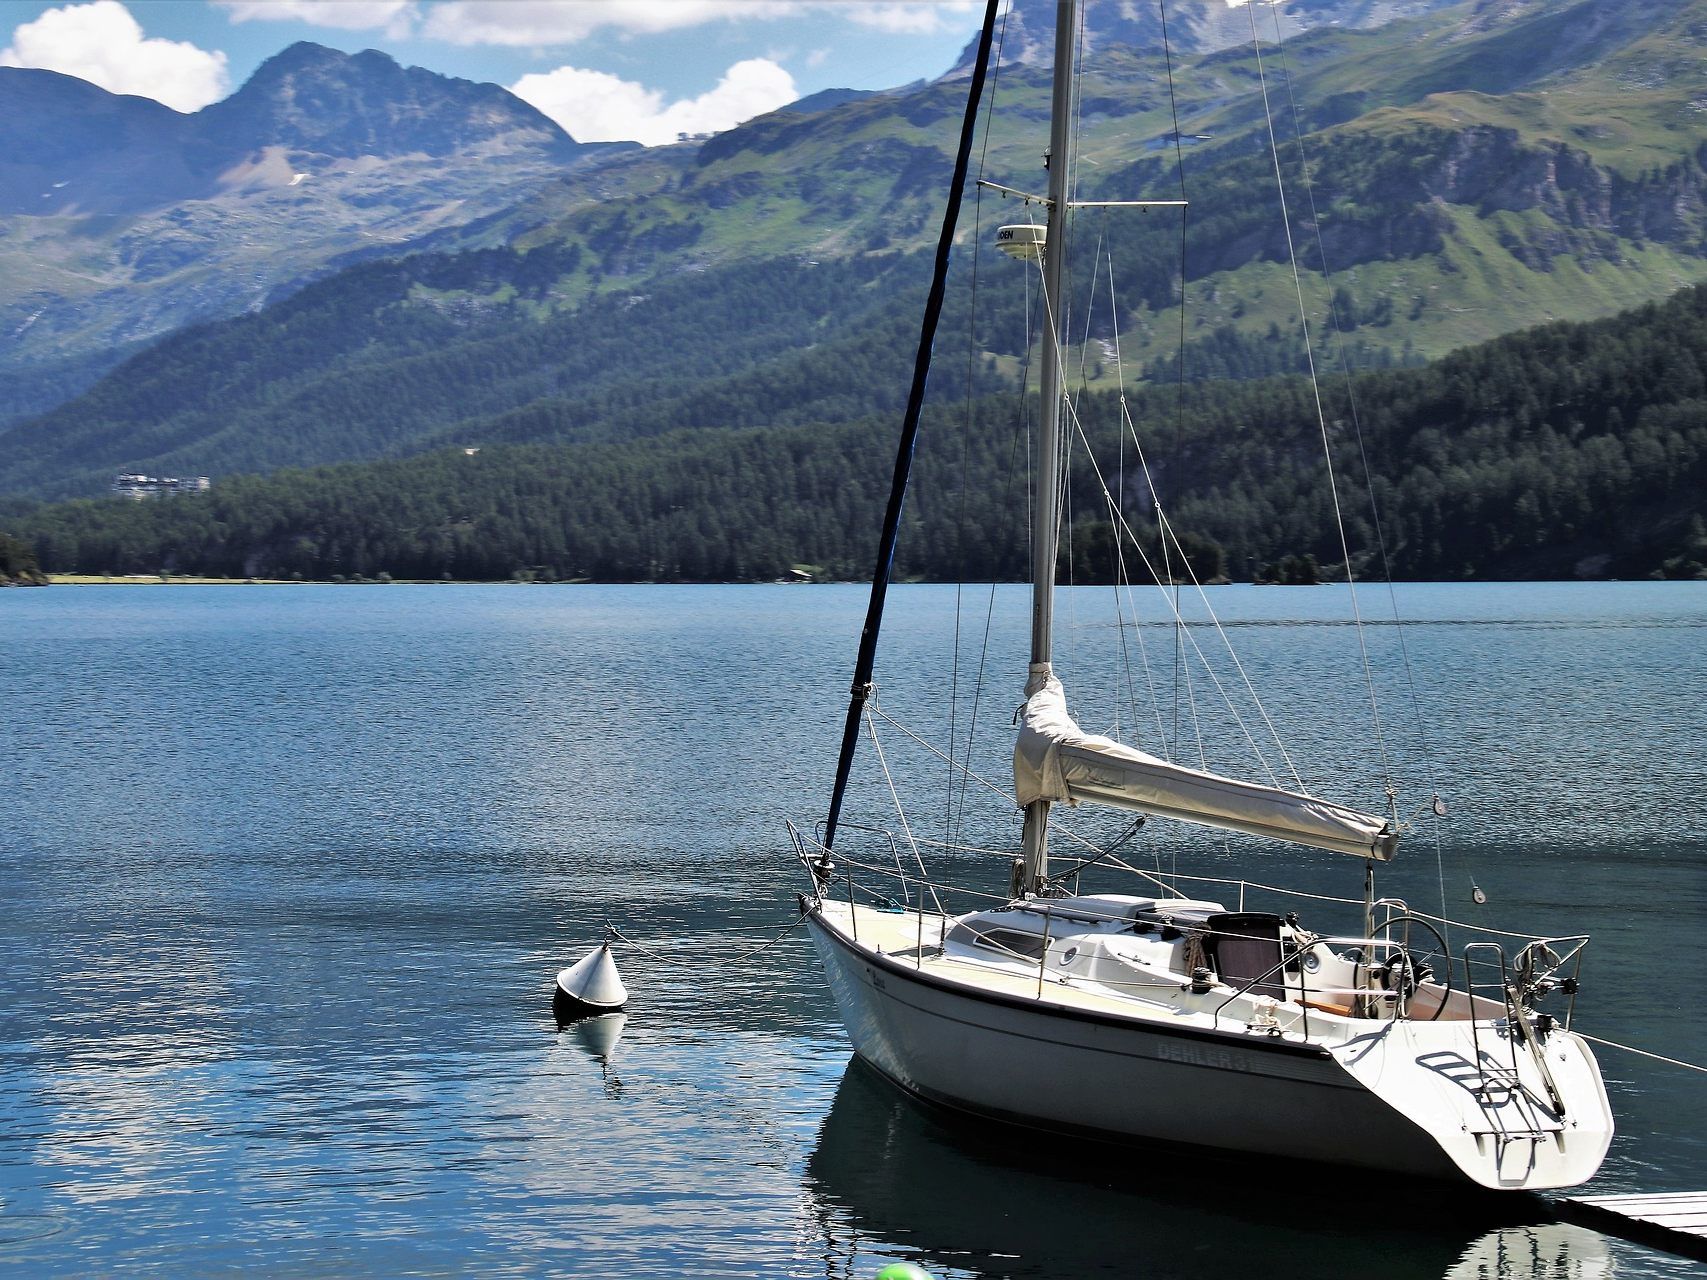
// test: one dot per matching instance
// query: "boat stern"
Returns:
(1514, 1112)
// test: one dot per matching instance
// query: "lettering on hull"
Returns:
(1204, 1056)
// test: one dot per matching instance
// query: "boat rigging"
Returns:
(1160, 1012)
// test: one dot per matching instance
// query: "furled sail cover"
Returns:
(1055, 760)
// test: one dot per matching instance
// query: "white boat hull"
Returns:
(1113, 1076)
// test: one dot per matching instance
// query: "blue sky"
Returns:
(604, 69)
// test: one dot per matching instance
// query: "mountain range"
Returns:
(1453, 172)
(122, 220)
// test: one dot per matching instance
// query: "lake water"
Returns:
(288, 871)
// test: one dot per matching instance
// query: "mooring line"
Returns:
(644, 950)
(1657, 1057)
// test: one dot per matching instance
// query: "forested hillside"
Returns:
(1568, 450)
(401, 357)
(18, 565)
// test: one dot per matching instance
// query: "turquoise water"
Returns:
(289, 869)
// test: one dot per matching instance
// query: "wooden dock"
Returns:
(1675, 1221)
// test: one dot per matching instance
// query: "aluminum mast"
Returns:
(1046, 510)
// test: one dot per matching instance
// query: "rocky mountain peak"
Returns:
(315, 99)
(67, 144)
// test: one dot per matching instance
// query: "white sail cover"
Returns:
(1055, 760)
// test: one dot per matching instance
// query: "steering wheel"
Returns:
(1408, 968)
(1403, 972)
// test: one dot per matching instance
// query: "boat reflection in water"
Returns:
(893, 1178)
(1548, 1251)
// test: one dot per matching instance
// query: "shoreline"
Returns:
(189, 580)
(151, 579)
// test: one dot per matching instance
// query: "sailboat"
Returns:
(1156, 1016)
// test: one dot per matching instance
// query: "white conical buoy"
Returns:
(591, 985)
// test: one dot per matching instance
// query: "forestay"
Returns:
(1055, 760)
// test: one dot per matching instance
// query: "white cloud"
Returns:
(395, 16)
(554, 22)
(911, 17)
(595, 106)
(542, 23)
(101, 43)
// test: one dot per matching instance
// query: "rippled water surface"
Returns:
(288, 871)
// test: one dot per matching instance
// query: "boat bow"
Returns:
(1055, 760)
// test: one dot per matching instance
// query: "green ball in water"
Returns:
(903, 1271)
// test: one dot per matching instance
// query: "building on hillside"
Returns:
(135, 485)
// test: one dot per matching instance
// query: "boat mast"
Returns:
(1046, 510)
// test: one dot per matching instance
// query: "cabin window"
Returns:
(1009, 942)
